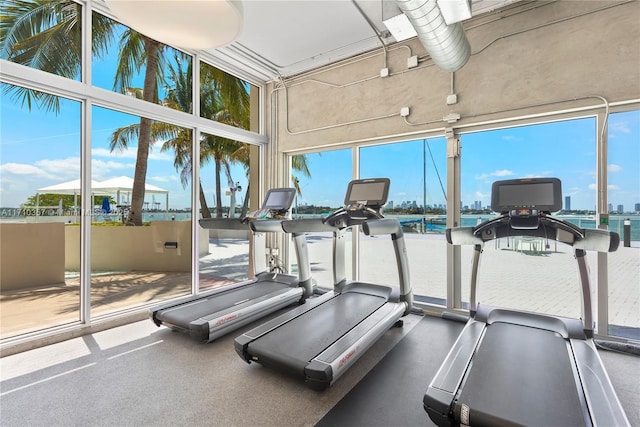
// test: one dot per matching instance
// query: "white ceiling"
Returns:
(286, 37)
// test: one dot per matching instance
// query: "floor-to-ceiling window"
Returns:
(529, 274)
(417, 198)
(224, 193)
(624, 201)
(321, 181)
(131, 155)
(39, 196)
(522, 273)
(138, 265)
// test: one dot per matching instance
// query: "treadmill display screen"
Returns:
(279, 199)
(543, 194)
(372, 192)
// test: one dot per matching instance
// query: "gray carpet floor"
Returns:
(142, 375)
(139, 375)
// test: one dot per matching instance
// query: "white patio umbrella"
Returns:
(124, 185)
(69, 187)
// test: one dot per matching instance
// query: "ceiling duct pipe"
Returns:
(446, 44)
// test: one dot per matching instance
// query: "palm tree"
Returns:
(45, 34)
(299, 163)
(217, 104)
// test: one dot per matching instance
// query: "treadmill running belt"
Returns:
(294, 344)
(184, 314)
(521, 375)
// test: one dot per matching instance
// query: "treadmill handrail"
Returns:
(307, 225)
(549, 227)
(392, 227)
(223, 224)
(266, 225)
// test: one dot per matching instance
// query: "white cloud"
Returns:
(103, 152)
(611, 187)
(503, 172)
(573, 191)
(20, 169)
(63, 168)
(165, 179)
(132, 153)
(487, 177)
(101, 170)
(618, 127)
(55, 170)
(614, 168)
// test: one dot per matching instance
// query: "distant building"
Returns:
(610, 208)
(637, 207)
(567, 203)
(620, 208)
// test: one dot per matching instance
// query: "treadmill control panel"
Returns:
(364, 200)
(517, 196)
(276, 204)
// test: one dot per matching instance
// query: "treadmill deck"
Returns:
(521, 376)
(294, 344)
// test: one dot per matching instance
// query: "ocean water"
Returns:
(433, 225)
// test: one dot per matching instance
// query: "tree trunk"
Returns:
(206, 213)
(144, 138)
(218, 188)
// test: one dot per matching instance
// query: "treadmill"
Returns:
(210, 315)
(511, 367)
(320, 340)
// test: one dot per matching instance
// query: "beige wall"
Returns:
(135, 248)
(31, 255)
(523, 58)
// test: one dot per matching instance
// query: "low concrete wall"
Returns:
(135, 248)
(31, 255)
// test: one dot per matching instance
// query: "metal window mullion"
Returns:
(195, 209)
(86, 204)
(454, 287)
(195, 178)
(602, 287)
(355, 231)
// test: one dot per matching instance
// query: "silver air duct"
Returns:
(446, 44)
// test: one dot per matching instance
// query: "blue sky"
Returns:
(40, 149)
(561, 149)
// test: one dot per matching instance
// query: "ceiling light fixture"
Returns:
(400, 27)
(455, 10)
(190, 24)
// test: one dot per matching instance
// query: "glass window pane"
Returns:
(529, 274)
(548, 285)
(624, 200)
(39, 152)
(46, 36)
(418, 173)
(144, 258)
(224, 189)
(227, 99)
(321, 180)
(121, 63)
